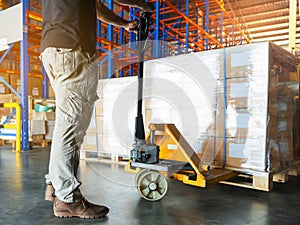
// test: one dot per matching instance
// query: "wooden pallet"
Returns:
(42, 143)
(264, 181)
(261, 181)
(295, 170)
(36, 140)
(4, 142)
(107, 158)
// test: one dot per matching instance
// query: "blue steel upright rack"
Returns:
(179, 27)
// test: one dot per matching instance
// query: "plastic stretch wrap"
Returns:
(248, 89)
(236, 106)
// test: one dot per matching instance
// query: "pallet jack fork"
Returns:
(177, 160)
(154, 163)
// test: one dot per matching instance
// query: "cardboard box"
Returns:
(99, 105)
(51, 92)
(119, 144)
(243, 154)
(5, 98)
(42, 115)
(115, 114)
(49, 129)
(90, 142)
(255, 82)
(280, 127)
(3, 88)
(15, 81)
(35, 86)
(30, 102)
(256, 86)
(37, 127)
(282, 108)
(95, 125)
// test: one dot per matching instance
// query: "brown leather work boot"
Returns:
(49, 193)
(82, 209)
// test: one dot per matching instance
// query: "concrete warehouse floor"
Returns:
(22, 192)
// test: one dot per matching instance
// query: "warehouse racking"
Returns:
(179, 27)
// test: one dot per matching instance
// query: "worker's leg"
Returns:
(88, 106)
(74, 80)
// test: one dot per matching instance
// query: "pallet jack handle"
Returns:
(142, 34)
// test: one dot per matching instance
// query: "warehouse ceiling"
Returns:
(264, 20)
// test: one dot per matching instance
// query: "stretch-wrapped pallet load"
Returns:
(237, 107)
(249, 90)
(111, 131)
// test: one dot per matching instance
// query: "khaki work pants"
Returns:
(73, 76)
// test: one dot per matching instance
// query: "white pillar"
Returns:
(292, 24)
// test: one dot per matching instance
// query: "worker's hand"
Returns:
(131, 26)
(149, 7)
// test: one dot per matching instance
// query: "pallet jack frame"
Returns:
(180, 163)
(151, 158)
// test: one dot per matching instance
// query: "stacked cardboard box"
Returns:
(40, 123)
(35, 85)
(91, 140)
(5, 98)
(3, 88)
(46, 118)
(45, 121)
(236, 106)
(249, 90)
(111, 131)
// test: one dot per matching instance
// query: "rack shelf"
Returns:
(179, 27)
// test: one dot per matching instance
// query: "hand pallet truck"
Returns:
(152, 163)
